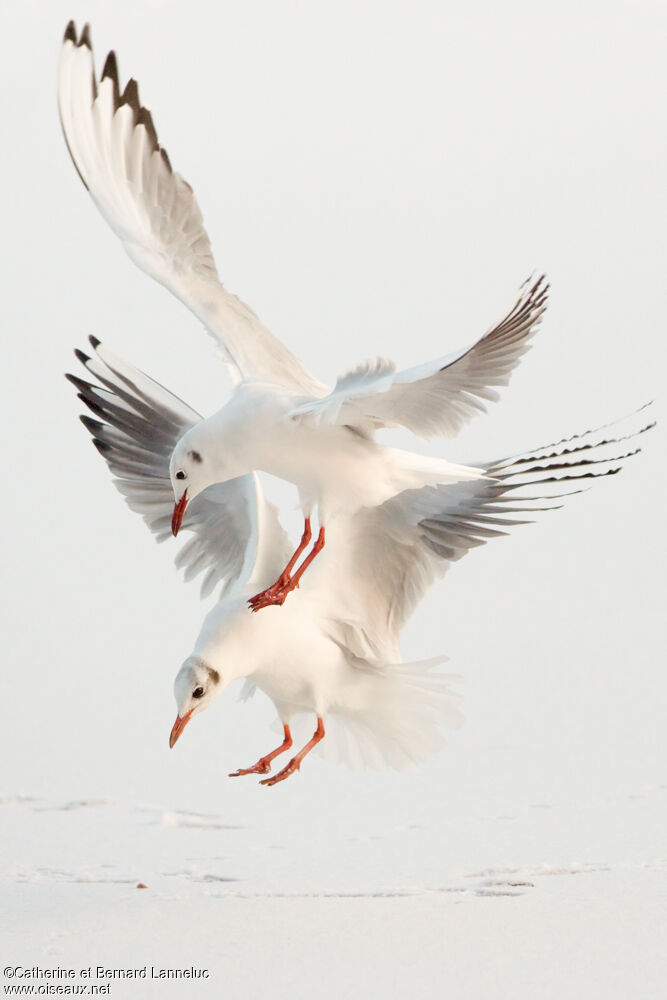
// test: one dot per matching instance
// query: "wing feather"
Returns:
(439, 397)
(237, 540)
(114, 146)
(387, 557)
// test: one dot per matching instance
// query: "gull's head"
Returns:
(191, 471)
(196, 686)
(220, 448)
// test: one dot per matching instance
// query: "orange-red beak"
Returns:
(179, 511)
(178, 727)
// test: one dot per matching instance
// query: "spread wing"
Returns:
(114, 145)
(439, 397)
(236, 535)
(384, 559)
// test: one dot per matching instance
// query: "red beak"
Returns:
(179, 511)
(178, 727)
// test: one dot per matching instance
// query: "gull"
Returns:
(334, 650)
(279, 418)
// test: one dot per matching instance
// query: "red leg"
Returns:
(293, 582)
(277, 596)
(283, 579)
(263, 765)
(295, 762)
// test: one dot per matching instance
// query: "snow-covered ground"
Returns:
(546, 900)
(376, 178)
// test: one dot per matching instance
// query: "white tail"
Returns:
(403, 721)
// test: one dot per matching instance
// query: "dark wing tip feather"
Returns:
(558, 466)
(70, 33)
(78, 383)
(110, 70)
(80, 356)
(85, 37)
(570, 477)
(145, 118)
(142, 116)
(102, 446)
(131, 95)
(535, 296)
(91, 404)
(94, 342)
(93, 426)
(110, 67)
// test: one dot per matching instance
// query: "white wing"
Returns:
(383, 559)
(439, 397)
(236, 534)
(115, 149)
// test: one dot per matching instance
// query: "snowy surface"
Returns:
(377, 178)
(547, 900)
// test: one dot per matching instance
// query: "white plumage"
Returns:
(333, 651)
(279, 419)
(154, 212)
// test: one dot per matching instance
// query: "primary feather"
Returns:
(436, 398)
(114, 146)
(236, 535)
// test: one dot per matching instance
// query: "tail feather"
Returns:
(403, 721)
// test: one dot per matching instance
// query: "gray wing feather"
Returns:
(439, 397)
(114, 146)
(393, 553)
(136, 426)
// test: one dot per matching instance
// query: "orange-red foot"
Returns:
(290, 768)
(274, 595)
(295, 762)
(277, 593)
(261, 767)
(266, 600)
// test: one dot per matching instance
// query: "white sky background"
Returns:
(376, 178)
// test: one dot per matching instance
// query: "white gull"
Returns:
(279, 418)
(333, 650)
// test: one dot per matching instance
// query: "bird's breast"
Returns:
(332, 466)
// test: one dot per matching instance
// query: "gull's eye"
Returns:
(180, 475)
(198, 692)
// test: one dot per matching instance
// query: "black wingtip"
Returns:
(110, 67)
(131, 95)
(85, 37)
(80, 356)
(94, 426)
(110, 71)
(78, 383)
(91, 404)
(94, 342)
(101, 446)
(145, 118)
(70, 33)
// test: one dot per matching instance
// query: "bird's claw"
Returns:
(267, 602)
(274, 595)
(261, 767)
(290, 768)
(272, 591)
